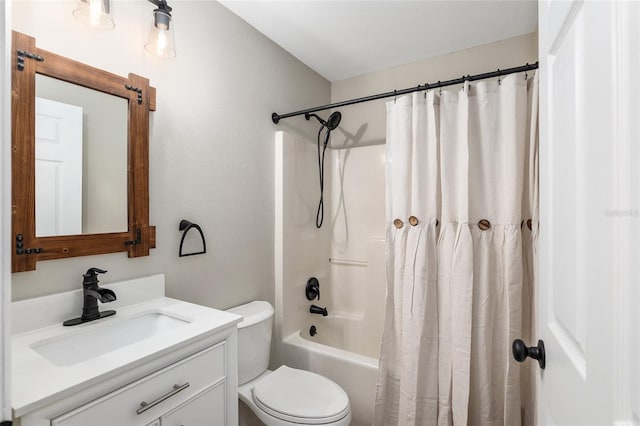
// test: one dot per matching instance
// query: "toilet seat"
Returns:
(300, 396)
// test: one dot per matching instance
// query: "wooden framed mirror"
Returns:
(80, 164)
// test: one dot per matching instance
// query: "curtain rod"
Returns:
(275, 117)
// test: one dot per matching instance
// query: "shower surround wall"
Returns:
(357, 263)
(350, 269)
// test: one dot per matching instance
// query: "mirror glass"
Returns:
(81, 160)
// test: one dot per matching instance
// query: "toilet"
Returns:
(285, 396)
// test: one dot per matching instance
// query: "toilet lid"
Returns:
(301, 396)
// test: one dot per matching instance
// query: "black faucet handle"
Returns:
(312, 290)
(94, 271)
(91, 276)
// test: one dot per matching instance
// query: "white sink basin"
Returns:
(96, 338)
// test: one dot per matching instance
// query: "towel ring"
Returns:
(185, 226)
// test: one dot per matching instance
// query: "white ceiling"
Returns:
(343, 39)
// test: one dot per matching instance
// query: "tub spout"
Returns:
(318, 310)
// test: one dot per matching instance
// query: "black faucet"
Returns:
(91, 295)
(318, 310)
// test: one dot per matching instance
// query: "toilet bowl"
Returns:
(285, 396)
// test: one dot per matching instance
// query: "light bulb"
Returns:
(162, 42)
(94, 13)
(161, 37)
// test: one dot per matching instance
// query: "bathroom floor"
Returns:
(246, 416)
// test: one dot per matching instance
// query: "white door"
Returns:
(58, 168)
(589, 246)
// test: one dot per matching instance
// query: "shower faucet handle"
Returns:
(312, 290)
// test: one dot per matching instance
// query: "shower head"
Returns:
(331, 123)
(334, 120)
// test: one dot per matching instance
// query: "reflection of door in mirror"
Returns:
(58, 168)
(101, 161)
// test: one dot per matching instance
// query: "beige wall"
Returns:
(211, 146)
(365, 124)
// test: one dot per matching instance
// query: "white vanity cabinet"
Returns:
(189, 392)
(183, 375)
(197, 390)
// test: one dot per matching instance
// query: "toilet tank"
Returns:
(254, 339)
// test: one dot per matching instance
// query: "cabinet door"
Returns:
(160, 392)
(205, 409)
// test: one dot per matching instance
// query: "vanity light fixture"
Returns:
(161, 40)
(94, 13)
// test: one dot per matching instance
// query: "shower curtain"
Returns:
(461, 207)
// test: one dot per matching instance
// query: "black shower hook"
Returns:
(185, 226)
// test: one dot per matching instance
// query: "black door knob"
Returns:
(521, 352)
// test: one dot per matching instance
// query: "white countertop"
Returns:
(38, 382)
